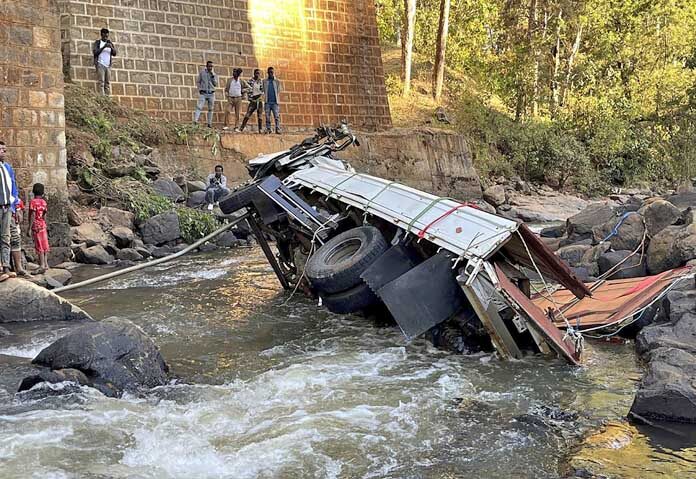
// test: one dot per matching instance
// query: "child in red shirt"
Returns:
(38, 227)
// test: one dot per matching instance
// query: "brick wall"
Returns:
(326, 53)
(32, 121)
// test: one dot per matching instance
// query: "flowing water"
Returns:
(274, 388)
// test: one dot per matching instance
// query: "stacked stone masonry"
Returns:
(32, 120)
(326, 53)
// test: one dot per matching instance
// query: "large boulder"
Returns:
(672, 247)
(94, 255)
(659, 214)
(683, 200)
(114, 355)
(572, 254)
(168, 189)
(592, 255)
(89, 233)
(57, 277)
(25, 301)
(196, 185)
(668, 391)
(124, 236)
(112, 217)
(581, 224)
(632, 267)
(495, 195)
(197, 198)
(626, 234)
(129, 254)
(161, 229)
(227, 240)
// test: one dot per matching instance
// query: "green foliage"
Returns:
(145, 204)
(195, 224)
(583, 93)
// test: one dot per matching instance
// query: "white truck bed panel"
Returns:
(467, 232)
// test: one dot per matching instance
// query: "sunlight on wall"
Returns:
(277, 30)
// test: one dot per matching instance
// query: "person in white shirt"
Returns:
(236, 88)
(104, 51)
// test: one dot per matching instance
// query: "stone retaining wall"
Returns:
(326, 52)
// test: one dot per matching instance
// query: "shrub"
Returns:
(195, 224)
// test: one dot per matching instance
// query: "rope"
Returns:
(615, 230)
(572, 333)
(151, 263)
(421, 233)
(367, 205)
(339, 184)
(425, 210)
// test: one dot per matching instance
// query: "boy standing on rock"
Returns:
(9, 197)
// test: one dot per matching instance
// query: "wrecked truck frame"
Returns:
(433, 261)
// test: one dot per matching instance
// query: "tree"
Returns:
(410, 30)
(439, 70)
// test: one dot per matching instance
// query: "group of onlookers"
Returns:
(263, 95)
(11, 219)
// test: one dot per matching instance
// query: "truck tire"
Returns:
(239, 199)
(350, 301)
(337, 265)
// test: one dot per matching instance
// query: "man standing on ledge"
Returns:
(216, 187)
(103, 51)
(9, 197)
(255, 100)
(207, 83)
(235, 89)
(272, 89)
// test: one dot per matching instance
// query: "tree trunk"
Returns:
(410, 23)
(439, 70)
(569, 69)
(532, 24)
(556, 66)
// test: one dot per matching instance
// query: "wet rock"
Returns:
(89, 233)
(162, 251)
(556, 231)
(226, 240)
(495, 195)
(631, 268)
(195, 185)
(94, 255)
(57, 277)
(25, 301)
(4, 332)
(114, 355)
(160, 229)
(197, 198)
(628, 235)
(595, 214)
(124, 236)
(207, 247)
(54, 377)
(658, 215)
(572, 254)
(140, 247)
(668, 392)
(169, 189)
(665, 335)
(129, 254)
(111, 217)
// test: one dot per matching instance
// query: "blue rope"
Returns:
(615, 231)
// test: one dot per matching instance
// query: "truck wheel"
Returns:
(337, 265)
(350, 301)
(239, 199)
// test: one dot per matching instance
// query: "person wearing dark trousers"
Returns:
(207, 83)
(255, 100)
(272, 89)
(9, 198)
(104, 51)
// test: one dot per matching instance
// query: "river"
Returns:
(274, 388)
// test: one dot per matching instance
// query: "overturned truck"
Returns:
(437, 266)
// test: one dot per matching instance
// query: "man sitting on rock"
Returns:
(216, 187)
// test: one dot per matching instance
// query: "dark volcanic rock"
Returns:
(129, 254)
(629, 233)
(572, 254)
(553, 231)
(169, 189)
(124, 237)
(594, 215)
(161, 228)
(25, 301)
(94, 255)
(113, 356)
(658, 215)
(631, 268)
(227, 240)
(196, 198)
(111, 217)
